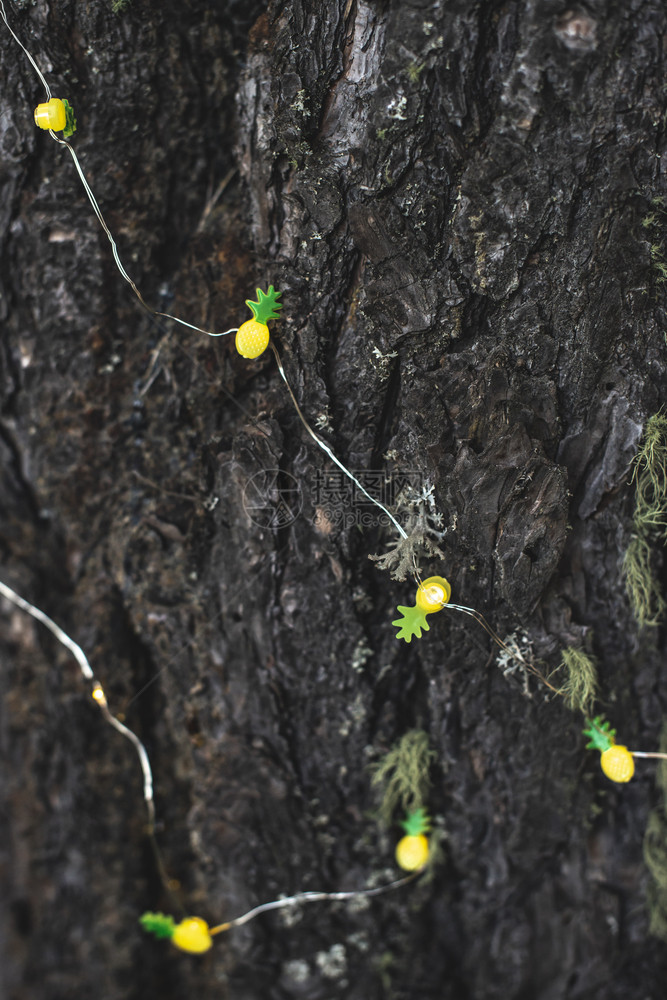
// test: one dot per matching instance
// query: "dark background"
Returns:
(451, 197)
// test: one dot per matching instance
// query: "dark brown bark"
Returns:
(450, 197)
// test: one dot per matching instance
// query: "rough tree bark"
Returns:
(450, 196)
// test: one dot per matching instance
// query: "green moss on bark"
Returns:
(402, 776)
(581, 686)
(649, 524)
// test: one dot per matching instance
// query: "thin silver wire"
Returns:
(473, 612)
(98, 693)
(76, 650)
(312, 897)
(19, 42)
(114, 249)
(481, 620)
(325, 447)
(93, 201)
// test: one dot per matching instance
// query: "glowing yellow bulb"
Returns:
(433, 594)
(51, 115)
(193, 935)
(99, 695)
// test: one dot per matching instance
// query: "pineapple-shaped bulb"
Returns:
(252, 337)
(412, 850)
(432, 595)
(191, 934)
(616, 760)
(56, 115)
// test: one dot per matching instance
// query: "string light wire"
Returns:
(114, 248)
(97, 692)
(311, 897)
(327, 450)
(20, 43)
(481, 620)
(95, 206)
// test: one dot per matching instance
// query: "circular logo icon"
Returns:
(272, 498)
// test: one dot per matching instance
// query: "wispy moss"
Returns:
(403, 775)
(650, 476)
(649, 523)
(581, 686)
(654, 224)
(641, 582)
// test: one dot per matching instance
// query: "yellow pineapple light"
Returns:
(412, 850)
(432, 595)
(192, 934)
(252, 337)
(57, 116)
(618, 763)
(616, 760)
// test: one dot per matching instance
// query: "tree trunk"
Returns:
(461, 204)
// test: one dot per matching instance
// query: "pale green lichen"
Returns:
(581, 684)
(402, 777)
(650, 476)
(649, 523)
(641, 582)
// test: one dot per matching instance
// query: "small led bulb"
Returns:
(433, 594)
(98, 694)
(51, 115)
